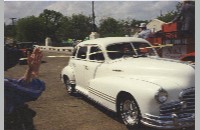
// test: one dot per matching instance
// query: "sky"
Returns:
(139, 10)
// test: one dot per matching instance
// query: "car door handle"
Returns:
(86, 67)
(117, 70)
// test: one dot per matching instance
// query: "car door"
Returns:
(86, 64)
(95, 60)
(79, 67)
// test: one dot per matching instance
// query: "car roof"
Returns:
(109, 40)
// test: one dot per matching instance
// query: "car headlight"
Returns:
(161, 96)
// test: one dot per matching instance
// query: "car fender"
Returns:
(69, 72)
(105, 90)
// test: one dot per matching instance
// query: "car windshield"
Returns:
(133, 49)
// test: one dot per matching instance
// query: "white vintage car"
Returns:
(125, 75)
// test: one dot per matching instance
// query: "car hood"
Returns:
(155, 70)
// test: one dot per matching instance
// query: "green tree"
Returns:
(80, 26)
(63, 32)
(125, 26)
(30, 29)
(111, 27)
(75, 27)
(170, 15)
(9, 30)
(52, 21)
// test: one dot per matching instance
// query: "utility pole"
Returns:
(93, 34)
(93, 18)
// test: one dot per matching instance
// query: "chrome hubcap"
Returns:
(129, 112)
(68, 85)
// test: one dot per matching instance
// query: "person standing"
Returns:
(144, 33)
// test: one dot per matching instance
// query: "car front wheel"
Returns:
(128, 111)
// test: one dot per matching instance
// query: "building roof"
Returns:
(155, 25)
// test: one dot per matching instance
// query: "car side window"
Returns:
(119, 50)
(82, 52)
(143, 49)
(96, 54)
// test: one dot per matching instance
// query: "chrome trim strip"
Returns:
(102, 95)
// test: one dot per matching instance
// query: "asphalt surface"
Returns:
(56, 110)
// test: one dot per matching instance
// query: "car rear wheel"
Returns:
(70, 87)
(128, 111)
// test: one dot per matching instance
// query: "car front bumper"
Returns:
(174, 115)
(172, 121)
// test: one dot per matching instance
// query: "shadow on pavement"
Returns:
(109, 113)
(115, 116)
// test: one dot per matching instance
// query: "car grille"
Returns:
(186, 105)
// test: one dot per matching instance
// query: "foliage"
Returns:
(75, 27)
(9, 31)
(30, 29)
(110, 27)
(64, 31)
(168, 17)
(52, 20)
(78, 26)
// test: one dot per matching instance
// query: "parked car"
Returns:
(25, 47)
(125, 75)
(190, 57)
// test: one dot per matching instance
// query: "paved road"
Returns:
(56, 110)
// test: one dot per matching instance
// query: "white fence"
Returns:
(60, 49)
